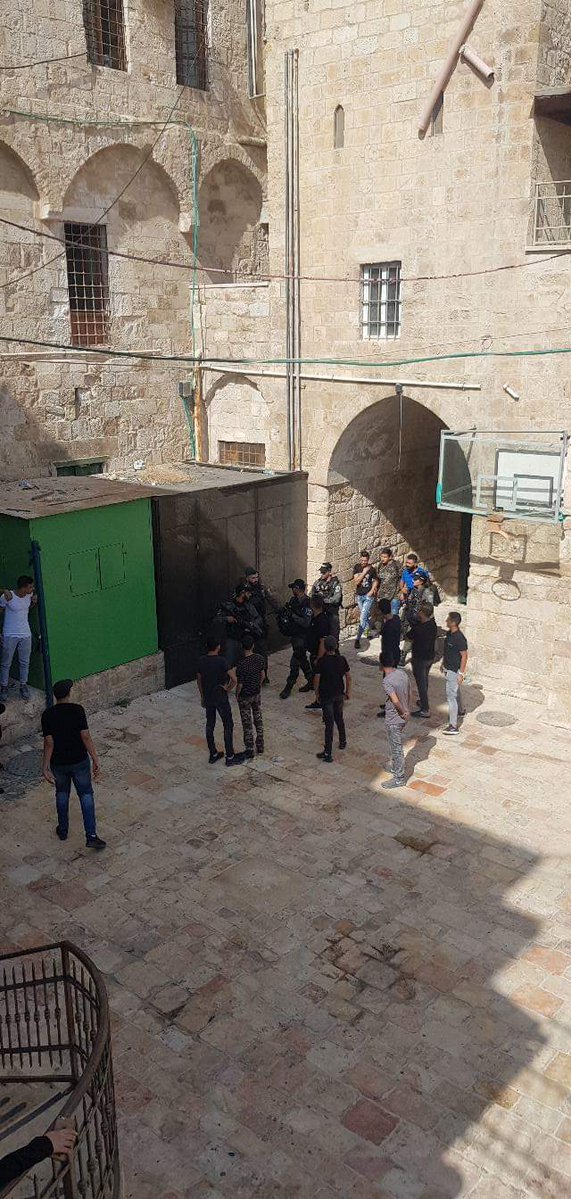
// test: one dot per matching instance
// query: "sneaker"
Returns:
(24, 692)
(215, 757)
(420, 714)
(266, 682)
(305, 690)
(259, 749)
(357, 643)
(3, 693)
(392, 785)
(285, 694)
(381, 713)
(237, 760)
(95, 843)
(314, 707)
(342, 745)
(451, 731)
(249, 755)
(462, 712)
(62, 836)
(325, 757)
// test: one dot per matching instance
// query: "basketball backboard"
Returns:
(516, 474)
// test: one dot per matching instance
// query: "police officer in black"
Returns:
(328, 588)
(294, 621)
(261, 599)
(238, 616)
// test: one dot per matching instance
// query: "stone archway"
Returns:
(236, 412)
(382, 491)
(232, 241)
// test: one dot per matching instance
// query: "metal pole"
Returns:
(45, 646)
(288, 353)
(297, 256)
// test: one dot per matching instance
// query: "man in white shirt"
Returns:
(16, 634)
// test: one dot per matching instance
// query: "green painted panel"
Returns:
(15, 559)
(98, 573)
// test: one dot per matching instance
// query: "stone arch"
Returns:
(17, 184)
(236, 410)
(382, 491)
(231, 238)
(103, 175)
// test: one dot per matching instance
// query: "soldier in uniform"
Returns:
(238, 616)
(261, 599)
(329, 589)
(294, 621)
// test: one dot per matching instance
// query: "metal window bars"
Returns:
(88, 283)
(104, 22)
(381, 300)
(190, 43)
(242, 453)
(54, 1029)
(552, 214)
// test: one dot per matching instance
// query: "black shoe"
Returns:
(381, 713)
(285, 694)
(305, 690)
(62, 836)
(237, 760)
(266, 682)
(215, 757)
(249, 755)
(95, 843)
(259, 749)
(342, 745)
(357, 643)
(314, 707)
(325, 757)
(421, 715)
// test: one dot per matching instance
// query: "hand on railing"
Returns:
(63, 1140)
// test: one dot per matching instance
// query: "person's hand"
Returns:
(461, 675)
(347, 699)
(231, 620)
(442, 671)
(48, 775)
(95, 767)
(63, 1140)
(405, 715)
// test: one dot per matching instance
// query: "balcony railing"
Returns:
(55, 1066)
(552, 214)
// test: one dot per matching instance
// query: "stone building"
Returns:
(409, 248)
(143, 139)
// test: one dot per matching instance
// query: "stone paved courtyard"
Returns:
(320, 989)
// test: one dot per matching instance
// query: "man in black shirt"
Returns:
(250, 674)
(366, 585)
(294, 621)
(215, 680)
(454, 668)
(332, 688)
(423, 636)
(391, 630)
(319, 629)
(67, 749)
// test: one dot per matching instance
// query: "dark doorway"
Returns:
(464, 561)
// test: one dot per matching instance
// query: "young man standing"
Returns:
(332, 690)
(407, 578)
(390, 639)
(328, 588)
(17, 634)
(250, 673)
(397, 691)
(319, 629)
(298, 614)
(366, 584)
(67, 749)
(215, 680)
(389, 575)
(423, 635)
(454, 664)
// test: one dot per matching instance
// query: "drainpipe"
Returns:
(447, 70)
(44, 643)
(370, 381)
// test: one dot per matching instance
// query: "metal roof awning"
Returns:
(555, 103)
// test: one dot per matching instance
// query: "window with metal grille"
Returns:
(190, 43)
(241, 453)
(80, 468)
(87, 281)
(381, 300)
(104, 23)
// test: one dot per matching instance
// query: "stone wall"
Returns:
(72, 137)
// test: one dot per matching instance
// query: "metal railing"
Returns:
(552, 214)
(55, 1038)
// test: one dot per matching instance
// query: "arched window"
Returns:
(339, 127)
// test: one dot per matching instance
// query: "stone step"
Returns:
(21, 720)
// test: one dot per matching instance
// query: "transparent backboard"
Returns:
(518, 475)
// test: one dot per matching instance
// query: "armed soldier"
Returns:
(294, 621)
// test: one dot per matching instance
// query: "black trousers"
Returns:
(334, 625)
(220, 707)
(332, 711)
(421, 671)
(261, 647)
(299, 662)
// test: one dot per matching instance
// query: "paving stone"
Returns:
(370, 1121)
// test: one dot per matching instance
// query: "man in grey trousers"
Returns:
(396, 687)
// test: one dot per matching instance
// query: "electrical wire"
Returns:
(353, 362)
(24, 66)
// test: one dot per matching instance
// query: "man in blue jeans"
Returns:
(366, 584)
(68, 748)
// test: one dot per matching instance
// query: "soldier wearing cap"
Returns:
(295, 621)
(329, 589)
(238, 616)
